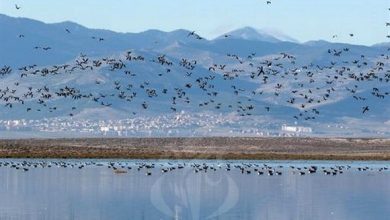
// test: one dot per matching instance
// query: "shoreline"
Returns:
(218, 148)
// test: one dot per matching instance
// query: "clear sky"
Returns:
(301, 19)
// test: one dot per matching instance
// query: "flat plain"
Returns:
(278, 148)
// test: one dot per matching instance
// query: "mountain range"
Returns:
(242, 51)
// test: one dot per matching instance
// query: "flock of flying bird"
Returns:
(306, 86)
(197, 167)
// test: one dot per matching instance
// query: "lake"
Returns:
(193, 189)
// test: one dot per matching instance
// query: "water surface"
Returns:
(101, 189)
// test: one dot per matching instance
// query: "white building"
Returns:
(296, 129)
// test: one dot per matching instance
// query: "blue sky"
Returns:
(301, 19)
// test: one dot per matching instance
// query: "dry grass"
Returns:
(200, 148)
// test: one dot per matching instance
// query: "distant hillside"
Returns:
(243, 72)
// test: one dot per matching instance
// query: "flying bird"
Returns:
(365, 109)
(191, 33)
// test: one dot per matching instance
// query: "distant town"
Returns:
(179, 124)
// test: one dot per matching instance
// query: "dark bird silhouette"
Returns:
(192, 33)
(365, 109)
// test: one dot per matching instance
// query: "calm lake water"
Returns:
(129, 189)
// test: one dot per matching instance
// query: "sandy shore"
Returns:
(200, 148)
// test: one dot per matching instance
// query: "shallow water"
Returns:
(97, 192)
